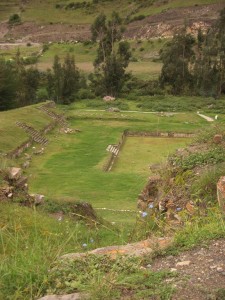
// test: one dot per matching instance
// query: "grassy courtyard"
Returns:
(72, 167)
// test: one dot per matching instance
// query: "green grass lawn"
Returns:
(138, 153)
(11, 135)
(71, 168)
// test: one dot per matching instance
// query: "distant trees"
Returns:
(113, 56)
(176, 57)
(209, 68)
(20, 86)
(64, 81)
(195, 66)
(8, 86)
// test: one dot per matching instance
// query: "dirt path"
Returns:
(200, 272)
(209, 119)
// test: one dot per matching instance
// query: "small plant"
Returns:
(14, 19)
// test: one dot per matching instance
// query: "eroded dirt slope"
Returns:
(161, 25)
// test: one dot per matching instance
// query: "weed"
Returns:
(105, 278)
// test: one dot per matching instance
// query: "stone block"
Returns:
(14, 173)
(221, 193)
(217, 139)
(38, 199)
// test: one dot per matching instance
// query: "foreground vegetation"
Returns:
(33, 239)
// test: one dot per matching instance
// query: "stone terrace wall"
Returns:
(128, 133)
(22, 147)
(108, 166)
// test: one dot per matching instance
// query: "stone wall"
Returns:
(22, 147)
(108, 166)
(128, 133)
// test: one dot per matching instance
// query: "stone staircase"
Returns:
(35, 135)
(58, 118)
(113, 149)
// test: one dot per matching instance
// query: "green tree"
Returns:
(64, 82)
(176, 56)
(58, 79)
(8, 86)
(209, 68)
(71, 80)
(112, 58)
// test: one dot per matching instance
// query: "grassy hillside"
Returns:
(144, 63)
(47, 11)
(11, 135)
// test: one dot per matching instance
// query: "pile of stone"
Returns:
(14, 188)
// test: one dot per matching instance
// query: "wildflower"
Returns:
(84, 245)
(144, 214)
(91, 240)
(178, 209)
(151, 205)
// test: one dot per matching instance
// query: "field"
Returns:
(139, 153)
(144, 63)
(73, 164)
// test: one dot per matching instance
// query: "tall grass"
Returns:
(31, 241)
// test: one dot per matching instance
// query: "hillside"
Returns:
(52, 20)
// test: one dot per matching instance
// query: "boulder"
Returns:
(14, 173)
(141, 248)
(217, 139)
(221, 193)
(26, 164)
(75, 296)
(108, 98)
(38, 199)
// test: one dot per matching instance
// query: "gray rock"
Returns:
(183, 263)
(75, 296)
(15, 173)
(38, 199)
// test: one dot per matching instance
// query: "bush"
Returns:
(45, 48)
(42, 94)
(85, 94)
(136, 18)
(30, 60)
(14, 19)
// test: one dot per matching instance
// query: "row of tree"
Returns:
(194, 66)
(21, 86)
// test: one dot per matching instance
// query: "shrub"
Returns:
(14, 19)
(42, 94)
(85, 94)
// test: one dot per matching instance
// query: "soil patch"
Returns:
(200, 271)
